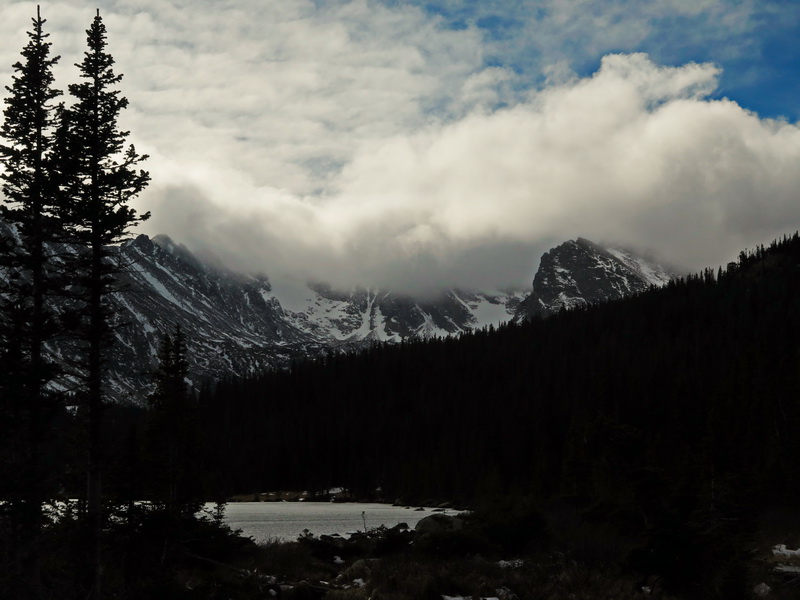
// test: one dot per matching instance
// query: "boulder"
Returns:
(361, 569)
(439, 523)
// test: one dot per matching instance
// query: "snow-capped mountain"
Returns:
(581, 272)
(238, 324)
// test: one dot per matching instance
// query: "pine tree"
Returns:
(172, 432)
(25, 321)
(173, 368)
(99, 177)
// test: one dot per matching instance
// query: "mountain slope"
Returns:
(238, 324)
(580, 272)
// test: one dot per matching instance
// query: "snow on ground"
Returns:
(366, 318)
(490, 308)
(653, 274)
(303, 306)
(429, 329)
(159, 287)
(569, 302)
(784, 552)
(488, 313)
(146, 326)
(514, 563)
(380, 327)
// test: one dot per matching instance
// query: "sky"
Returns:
(415, 146)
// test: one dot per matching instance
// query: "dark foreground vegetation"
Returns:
(517, 549)
(514, 550)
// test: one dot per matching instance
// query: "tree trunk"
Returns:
(94, 504)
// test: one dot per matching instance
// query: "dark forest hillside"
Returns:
(690, 390)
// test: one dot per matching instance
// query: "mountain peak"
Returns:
(581, 272)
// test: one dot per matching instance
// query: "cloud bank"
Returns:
(634, 154)
(362, 143)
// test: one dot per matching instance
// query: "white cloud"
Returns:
(360, 143)
(549, 30)
(633, 154)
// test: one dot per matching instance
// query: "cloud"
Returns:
(754, 39)
(356, 142)
(634, 154)
(540, 32)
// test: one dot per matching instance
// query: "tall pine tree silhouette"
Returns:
(27, 407)
(99, 177)
(171, 441)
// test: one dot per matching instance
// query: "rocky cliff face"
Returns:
(581, 272)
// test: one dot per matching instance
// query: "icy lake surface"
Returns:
(287, 520)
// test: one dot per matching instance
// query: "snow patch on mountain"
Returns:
(646, 268)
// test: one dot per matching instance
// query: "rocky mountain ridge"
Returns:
(237, 324)
(579, 272)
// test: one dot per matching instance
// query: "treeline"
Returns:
(689, 391)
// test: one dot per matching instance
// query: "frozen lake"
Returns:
(287, 520)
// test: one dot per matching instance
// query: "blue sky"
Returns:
(418, 145)
(755, 43)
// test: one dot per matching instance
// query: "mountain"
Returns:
(580, 272)
(238, 324)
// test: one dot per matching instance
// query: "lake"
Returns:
(286, 520)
